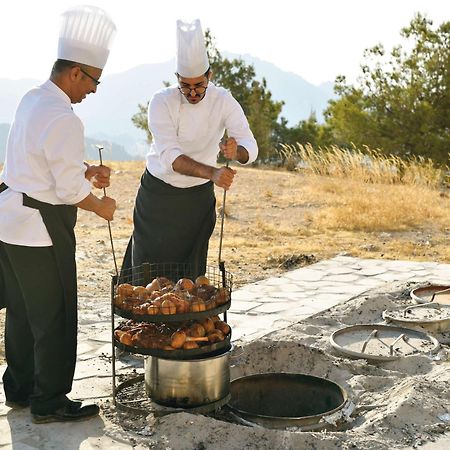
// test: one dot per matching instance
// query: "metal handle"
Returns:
(222, 221)
(100, 148)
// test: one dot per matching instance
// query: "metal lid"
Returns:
(432, 293)
(432, 316)
(381, 342)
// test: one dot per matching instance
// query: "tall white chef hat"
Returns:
(86, 36)
(192, 59)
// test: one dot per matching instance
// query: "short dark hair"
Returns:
(61, 65)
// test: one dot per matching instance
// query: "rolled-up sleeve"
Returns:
(237, 127)
(165, 138)
(63, 144)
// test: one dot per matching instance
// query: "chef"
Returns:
(174, 214)
(44, 181)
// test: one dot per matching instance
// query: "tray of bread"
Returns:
(182, 340)
(169, 293)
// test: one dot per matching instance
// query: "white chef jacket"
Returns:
(195, 130)
(44, 159)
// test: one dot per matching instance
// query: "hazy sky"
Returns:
(316, 39)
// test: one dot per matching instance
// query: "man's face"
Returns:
(85, 82)
(194, 89)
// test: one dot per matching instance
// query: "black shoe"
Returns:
(19, 404)
(68, 413)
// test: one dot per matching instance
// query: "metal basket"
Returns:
(145, 273)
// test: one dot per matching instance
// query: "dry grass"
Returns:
(273, 214)
(367, 165)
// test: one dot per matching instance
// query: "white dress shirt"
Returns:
(194, 130)
(44, 159)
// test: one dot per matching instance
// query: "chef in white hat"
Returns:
(174, 214)
(44, 181)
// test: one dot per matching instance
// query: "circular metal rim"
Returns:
(203, 409)
(177, 354)
(418, 299)
(420, 322)
(172, 317)
(360, 355)
(289, 419)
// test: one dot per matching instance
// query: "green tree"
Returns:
(401, 101)
(140, 121)
(307, 131)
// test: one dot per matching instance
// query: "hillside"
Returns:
(107, 114)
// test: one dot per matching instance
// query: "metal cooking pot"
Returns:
(188, 383)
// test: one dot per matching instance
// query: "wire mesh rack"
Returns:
(143, 275)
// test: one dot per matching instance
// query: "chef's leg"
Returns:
(37, 274)
(18, 379)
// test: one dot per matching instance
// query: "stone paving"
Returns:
(257, 309)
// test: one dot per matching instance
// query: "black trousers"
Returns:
(172, 225)
(39, 366)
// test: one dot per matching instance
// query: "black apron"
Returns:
(171, 225)
(60, 222)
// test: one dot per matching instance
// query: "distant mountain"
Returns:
(301, 98)
(107, 114)
(112, 151)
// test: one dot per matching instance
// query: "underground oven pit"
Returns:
(281, 400)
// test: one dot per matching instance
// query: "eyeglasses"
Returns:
(97, 82)
(198, 90)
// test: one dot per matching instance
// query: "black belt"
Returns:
(3, 187)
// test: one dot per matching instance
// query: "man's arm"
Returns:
(221, 177)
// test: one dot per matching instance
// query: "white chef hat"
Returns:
(86, 36)
(192, 59)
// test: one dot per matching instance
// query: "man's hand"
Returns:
(98, 175)
(229, 149)
(223, 177)
(107, 208)
(103, 207)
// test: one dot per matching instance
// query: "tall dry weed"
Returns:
(367, 165)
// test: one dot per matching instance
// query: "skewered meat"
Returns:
(205, 292)
(221, 296)
(196, 330)
(179, 338)
(197, 304)
(152, 310)
(125, 289)
(167, 307)
(184, 284)
(189, 345)
(141, 309)
(222, 326)
(208, 325)
(201, 280)
(153, 286)
(215, 336)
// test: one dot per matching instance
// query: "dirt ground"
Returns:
(268, 229)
